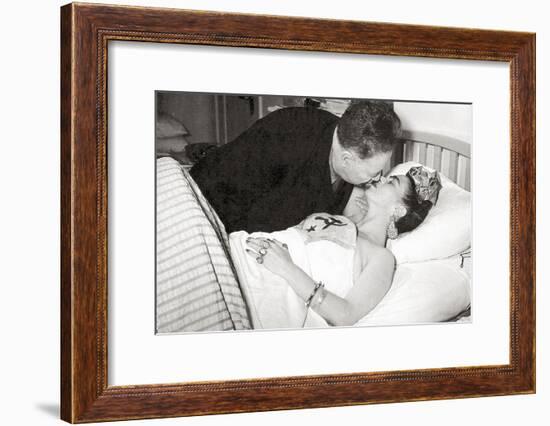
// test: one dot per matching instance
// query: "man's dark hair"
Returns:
(417, 210)
(369, 127)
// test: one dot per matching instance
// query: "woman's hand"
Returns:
(272, 254)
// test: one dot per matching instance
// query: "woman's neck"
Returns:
(374, 228)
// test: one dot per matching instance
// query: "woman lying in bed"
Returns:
(389, 207)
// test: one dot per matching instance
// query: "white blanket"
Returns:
(422, 292)
(271, 301)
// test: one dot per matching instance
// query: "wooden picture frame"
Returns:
(86, 31)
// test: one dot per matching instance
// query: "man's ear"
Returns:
(399, 211)
(346, 156)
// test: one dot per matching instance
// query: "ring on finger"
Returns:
(262, 252)
(265, 244)
(260, 259)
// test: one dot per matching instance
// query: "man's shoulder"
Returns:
(290, 135)
(303, 114)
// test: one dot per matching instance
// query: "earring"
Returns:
(392, 230)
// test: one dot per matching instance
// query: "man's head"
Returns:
(363, 141)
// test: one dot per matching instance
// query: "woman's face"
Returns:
(383, 197)
(388, 192)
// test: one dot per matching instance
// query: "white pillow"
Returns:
(169, 127)
(423, 292)
(445, 232)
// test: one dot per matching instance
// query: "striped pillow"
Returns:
(197, 288)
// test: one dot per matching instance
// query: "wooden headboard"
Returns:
(451, 157)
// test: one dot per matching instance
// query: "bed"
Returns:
(203, 283)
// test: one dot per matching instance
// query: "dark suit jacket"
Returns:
(274, 174)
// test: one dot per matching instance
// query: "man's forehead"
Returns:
(375, 163)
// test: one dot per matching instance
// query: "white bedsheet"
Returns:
(272, 302)
(422, 292)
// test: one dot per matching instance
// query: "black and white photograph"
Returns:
(287, 212)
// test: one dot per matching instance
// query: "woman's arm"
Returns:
(371, 286)
(373, 283)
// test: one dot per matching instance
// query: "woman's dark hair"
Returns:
(369, 127)
(417, 210)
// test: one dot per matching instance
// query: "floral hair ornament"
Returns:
(426, 183)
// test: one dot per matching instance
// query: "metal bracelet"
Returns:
(322, 296)
(318, 285)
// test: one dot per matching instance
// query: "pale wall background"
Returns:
(29, 211)
(449, 120)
